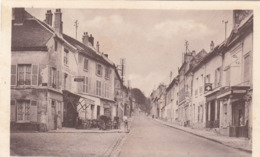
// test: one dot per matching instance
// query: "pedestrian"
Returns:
(59, 125)
(125, 123)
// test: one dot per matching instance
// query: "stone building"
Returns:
(69, 78)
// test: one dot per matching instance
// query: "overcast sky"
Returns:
(151, 41)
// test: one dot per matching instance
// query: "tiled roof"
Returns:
(31, 35)
(85, 49)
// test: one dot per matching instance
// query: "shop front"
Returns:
(212, 110)
(235, 110)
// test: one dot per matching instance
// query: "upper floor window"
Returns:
(107, 73)
(218, 77)
(85, 85)
(24, 74)
(53, 77)
(247, 68)
(207, 78)
(99, 69)
(228, 76)
(55, 45)
(66, 56)
(85, 64)
(98, 88)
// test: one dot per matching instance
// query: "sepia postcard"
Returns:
(129, 78)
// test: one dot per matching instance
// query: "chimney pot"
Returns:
(58, 24)
(211, 46)
(91, 40)
(18, 15)
(85, 38)
(98, 46)
(48, 19)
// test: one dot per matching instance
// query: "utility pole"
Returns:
(76, 25)
(225, 28)
(170, 76)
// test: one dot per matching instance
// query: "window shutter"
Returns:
(13, 75)
(215, 78)
(49, 76)
(61, 75)
(69, 79)
(220, 75)
(35, 75)
(33, 111)
(89, 86)
(13, 110)
(57, 80)
(83, 84)
(103, 89)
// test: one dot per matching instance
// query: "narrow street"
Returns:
(63, 144)
(150, 138)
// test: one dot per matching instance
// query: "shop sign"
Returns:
(239, 91)
(208, 87)
(79, 79)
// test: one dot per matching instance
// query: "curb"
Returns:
(241, 149)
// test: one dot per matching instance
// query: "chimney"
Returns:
(193, 53)
(97, 46)
(58, 21)
(85, 38)
(48, 17)
(106, 55)
(211, 46)
(91, 40)
(18, 15)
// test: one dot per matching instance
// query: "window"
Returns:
(99, 69)
(66, 55)
(98, 88)
(23, 110)
(24, 74)
(207, 79)
(218, 77)
(107, 73)
(85, 85)
(53, 77)
(247, 68)
(55, 45)
(107, 90)
(85, 64)
(65, 80)
(228, 76)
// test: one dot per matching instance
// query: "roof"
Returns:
(31, 36)
(174, 81)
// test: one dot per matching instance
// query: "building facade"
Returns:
(69, 79)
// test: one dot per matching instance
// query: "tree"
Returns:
(140, 99)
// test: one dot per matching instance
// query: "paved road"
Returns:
(149, 138)
(64, 144)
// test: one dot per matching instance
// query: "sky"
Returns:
(151, 41)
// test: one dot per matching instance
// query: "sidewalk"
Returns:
(243, 144)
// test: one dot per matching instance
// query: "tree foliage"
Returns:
(141, 100)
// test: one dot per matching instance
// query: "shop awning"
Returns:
(77, 100)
